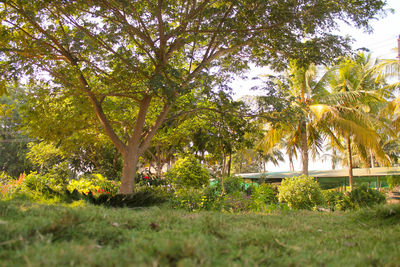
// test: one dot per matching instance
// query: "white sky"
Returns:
(382, 43)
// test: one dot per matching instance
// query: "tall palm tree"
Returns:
(303, 88)
(347, 111)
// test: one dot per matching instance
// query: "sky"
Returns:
(382, 43)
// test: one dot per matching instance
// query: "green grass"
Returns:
(34, 234)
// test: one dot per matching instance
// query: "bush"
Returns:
(46, 183)
(263, 196)
(4, 178)
(362, 196)
(335, 199)
(143, 197)
(195, 199)
(10, 186)
(393, 181)
(237, 202)
(95, 183)
(233, 184)
(188, 172)
(190, 199)
(380, 215)
(148, 179)
(301, 192)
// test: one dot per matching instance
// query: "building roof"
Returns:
(362, 172)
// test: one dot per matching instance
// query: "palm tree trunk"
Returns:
(304, 148)
(350, 162)
(372, 159)
(264, 165)
(333, 158)
(291, 166)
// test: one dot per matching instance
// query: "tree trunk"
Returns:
(350, 162)
(137, 145)
(223, 185)
(304, 148)
(159, 161)
(229, 163)
(264, 165)
(223, 159)
(333, 159)
(291, 166)
(129, 172)
(372, 159)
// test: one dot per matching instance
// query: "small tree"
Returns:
(188, 172)
(301, 192)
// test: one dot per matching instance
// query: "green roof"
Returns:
(362, 172)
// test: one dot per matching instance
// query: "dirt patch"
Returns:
(393, 197)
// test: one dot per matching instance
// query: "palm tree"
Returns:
(347, 111)
(303, 89)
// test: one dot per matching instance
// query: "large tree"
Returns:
(140, 56)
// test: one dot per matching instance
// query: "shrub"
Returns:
(393, 181)
(380, 215)
(335, 199)
(191, 199)
(301, 192)
(46, 184)
(264, 194)
(188, 172)
(143, 197)
(237, 202)
(362, 196)
(95, 183)
(263, 197)
(10, 186)
(148, 179)
(233, 184)
(195, 199)
(4, 178)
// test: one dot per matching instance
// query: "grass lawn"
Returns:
(34, 234)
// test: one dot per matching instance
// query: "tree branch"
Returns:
(147, 139)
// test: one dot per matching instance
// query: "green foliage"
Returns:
(45, 155)
(335, 200)
(13, 142)
(95, 183)
(195, 199)
(50, 161)
(363, 196)
(188, 172)
(360, 197)
(151, 180)
(233, 184)
(380, 215)
(263, 196)
(393, 181)
(44, 184)
(142, 197)
(301, 192)
(53, 185)
(4, 178)
(57, 119)
(190, 199)
(237, 202)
